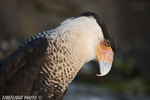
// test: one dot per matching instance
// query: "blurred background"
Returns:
(129, 22)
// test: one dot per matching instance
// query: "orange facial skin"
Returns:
(105, 52)
(105, 55)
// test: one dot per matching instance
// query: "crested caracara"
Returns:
(46, 63)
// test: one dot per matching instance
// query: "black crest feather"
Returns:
(106, 32)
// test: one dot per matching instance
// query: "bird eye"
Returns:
(106, 43)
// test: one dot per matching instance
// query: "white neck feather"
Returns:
(87, 33)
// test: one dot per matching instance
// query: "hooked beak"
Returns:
(104, 67)
(105, 59)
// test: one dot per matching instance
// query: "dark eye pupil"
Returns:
(106, 43)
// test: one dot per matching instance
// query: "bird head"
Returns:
(93, 40)
(105, 48)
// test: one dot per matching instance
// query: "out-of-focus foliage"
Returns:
(128, 20)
